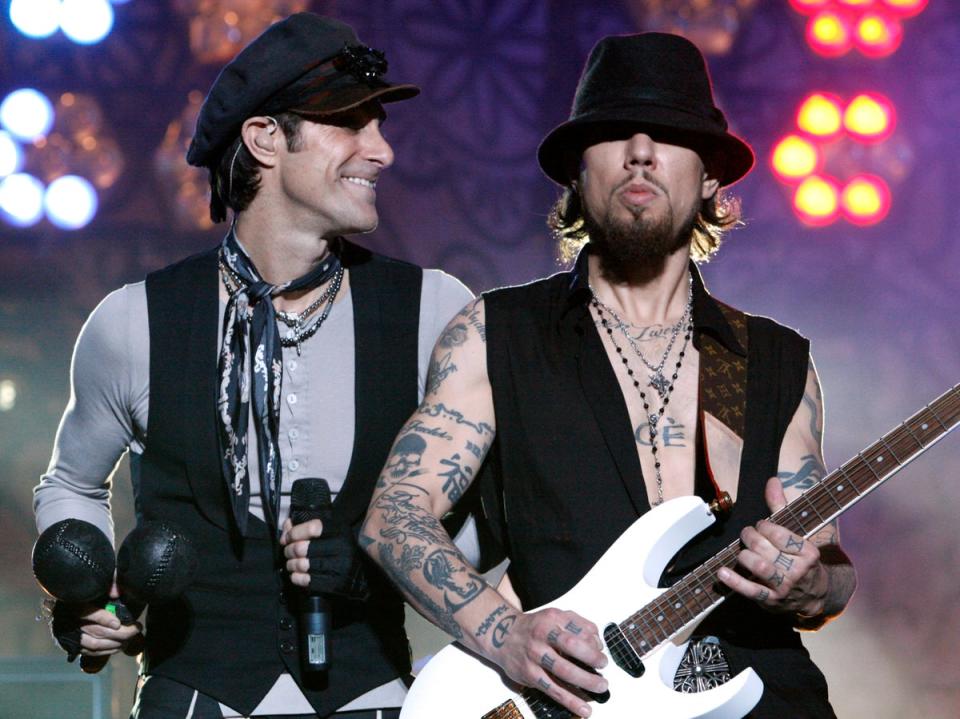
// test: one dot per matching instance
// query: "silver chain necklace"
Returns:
(657, 379)
(653, 418)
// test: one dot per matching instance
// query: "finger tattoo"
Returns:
(543, 684)
(784, 561)
(776, 578)
(572, 628)
(794, 545)
(763, 595)
(547, 662)
(554, 636)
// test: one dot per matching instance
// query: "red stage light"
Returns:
(865, 200)
(905, 8)
(856, 4)
(816, 201)
(809, 6)
(795, 157)
(829, 33)
(820, 114)
(870, 117)
(878, 35)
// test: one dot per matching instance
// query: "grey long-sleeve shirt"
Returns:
(109, 404)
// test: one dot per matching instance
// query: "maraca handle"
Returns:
(92, 665)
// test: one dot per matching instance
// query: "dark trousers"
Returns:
(162, 698)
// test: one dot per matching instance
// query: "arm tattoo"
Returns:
(458, 478)
(404, 459)
(441, 410)
(440, 368)
(415, 425)
(443, 618)
(811, 472)
(502, 630)
(440, 572)
(488, 622)
(472, 315)
(453, 336)
(547, 662)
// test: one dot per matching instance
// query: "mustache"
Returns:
(646, 177)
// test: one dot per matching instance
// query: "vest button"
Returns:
(285, 623)
(282, 597)
(286, 647)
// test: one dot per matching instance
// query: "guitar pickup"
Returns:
(623, 654)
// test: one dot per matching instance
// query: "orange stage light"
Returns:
(795, 157)
(829, 33)
(905, 8)
(820, 115)
(816, 201)
(865, 200)
(870, 117)
(878, 35)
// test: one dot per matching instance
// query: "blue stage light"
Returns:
(11, 156)
(26, 114)
(35, 18)
(86, 21)
(21, 200)
(70, 202)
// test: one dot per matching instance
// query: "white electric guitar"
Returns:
(645, 645)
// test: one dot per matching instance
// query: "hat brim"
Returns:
(726, 156)
(348, 98)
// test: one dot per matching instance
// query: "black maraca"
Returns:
(74, 563)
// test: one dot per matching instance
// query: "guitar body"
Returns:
(460, 685)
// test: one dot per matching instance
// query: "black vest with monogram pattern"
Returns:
(234, 631)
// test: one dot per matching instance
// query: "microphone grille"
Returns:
(309, 498)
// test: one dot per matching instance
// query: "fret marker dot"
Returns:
(643, 642)
(803, 514)
(660, 618)
(880, 458)
(923, 426)
(677, 605)
(839, 487)
(632, 627)
(697, 590)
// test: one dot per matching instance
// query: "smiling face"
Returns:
(329, 178)
(641, 198)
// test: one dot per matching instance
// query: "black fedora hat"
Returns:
(306, 63)
(652, 82)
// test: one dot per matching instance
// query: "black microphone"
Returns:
(310, 499)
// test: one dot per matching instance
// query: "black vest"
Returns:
(564, 480)
(234, 631)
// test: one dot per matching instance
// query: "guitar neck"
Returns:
(682, 603)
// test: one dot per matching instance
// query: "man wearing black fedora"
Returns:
(598, 394)
(285, 353)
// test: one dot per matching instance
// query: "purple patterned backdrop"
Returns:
(466, 195)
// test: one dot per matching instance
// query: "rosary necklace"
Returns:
(657, 379)
(653, 418)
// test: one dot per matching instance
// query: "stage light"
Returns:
(11, 156)
(816, 201)
(26, 114)
(70, 202)
(820, 115)
(21, 199)
(870, 118)
(856, 4)
(86, 21)
(865, 200)
(905, 8)
(809, 6)
(829, 33)
(35, 18)
(8, 395)
(877, 35)
(795, 157)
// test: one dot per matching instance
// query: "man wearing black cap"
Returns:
(603, 392)
(285, 353)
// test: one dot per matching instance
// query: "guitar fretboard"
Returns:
(682, 603)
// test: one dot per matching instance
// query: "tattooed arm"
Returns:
(811, 578)
(434, 460)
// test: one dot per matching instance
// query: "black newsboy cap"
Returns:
(307, 64)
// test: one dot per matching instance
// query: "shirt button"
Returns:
(292, 398)
(294, 465)
(292, 365)
(293, 434)
(285, 623)
(282, 598)
(286, 647)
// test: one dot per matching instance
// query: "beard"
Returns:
(639, 245)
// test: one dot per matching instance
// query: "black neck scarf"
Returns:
(250, 321)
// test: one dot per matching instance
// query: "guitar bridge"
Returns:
(621, 651)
